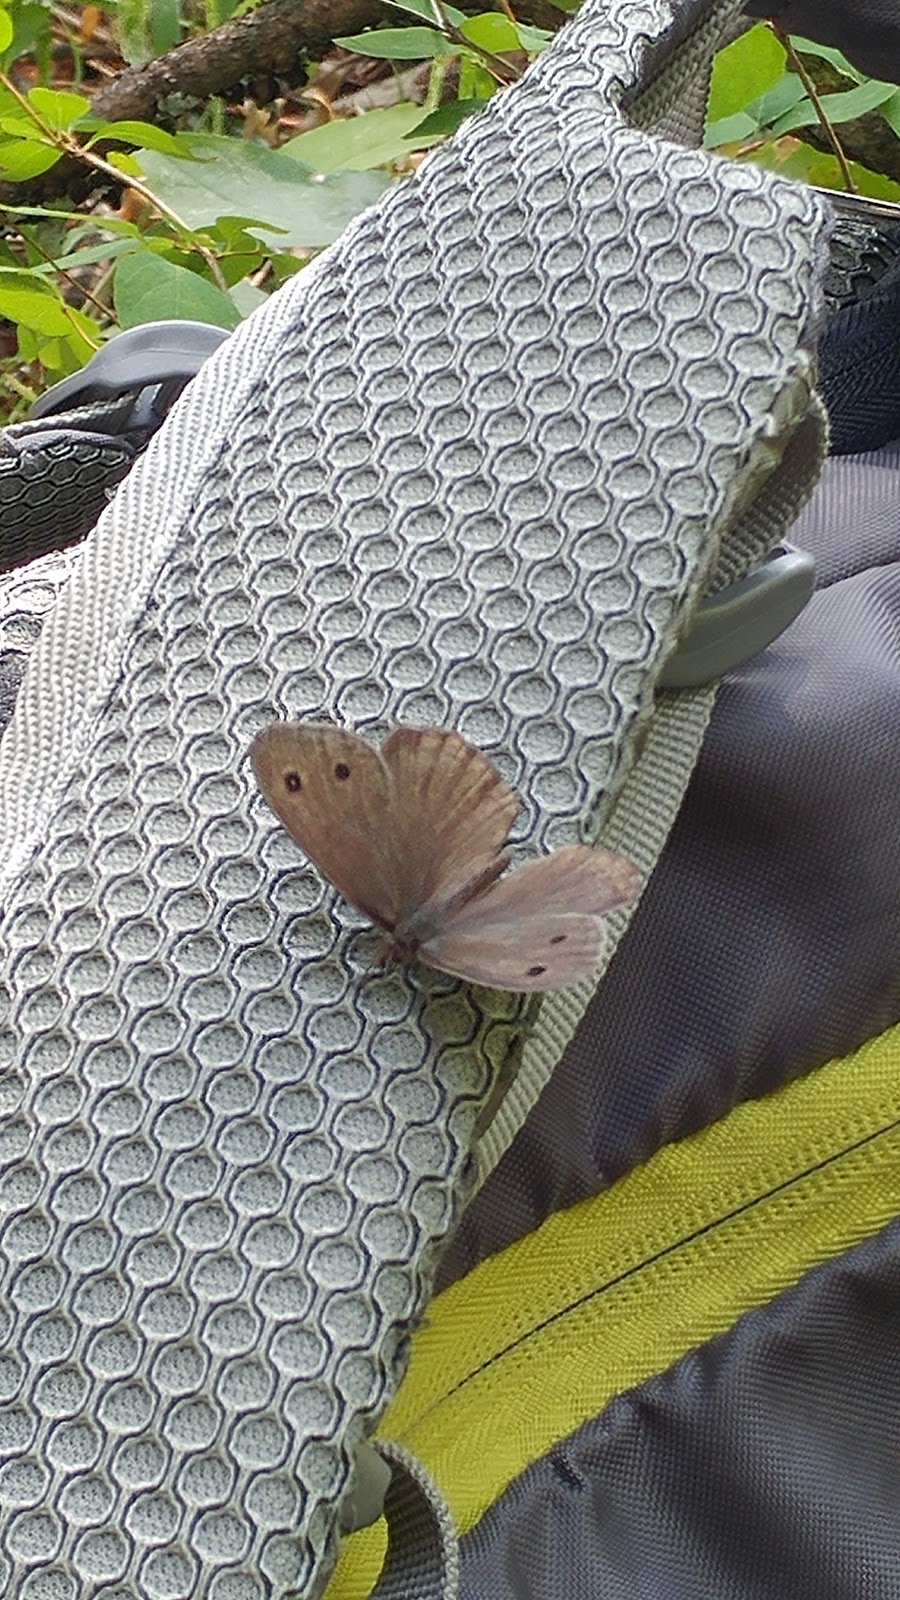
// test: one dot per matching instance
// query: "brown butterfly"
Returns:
(412, 834)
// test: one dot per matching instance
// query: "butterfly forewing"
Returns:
(333, 793)
(539, 928)
(451, 813)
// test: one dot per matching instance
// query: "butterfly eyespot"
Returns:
(293, 782)
(341, 771)
(534, 972)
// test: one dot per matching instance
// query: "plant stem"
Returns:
(79, 288)
(821, 113)
(497, 66)
(435, 85)
(73, 148)
(68, 144)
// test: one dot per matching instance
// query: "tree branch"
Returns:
(269, 39)
(272, 38)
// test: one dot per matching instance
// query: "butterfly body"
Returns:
(413, 835)
(410, 939)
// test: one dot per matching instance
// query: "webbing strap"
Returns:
(651, 796)
(422, 1558)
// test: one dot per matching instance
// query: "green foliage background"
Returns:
(225, 219)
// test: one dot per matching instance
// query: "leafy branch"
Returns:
(66, 142)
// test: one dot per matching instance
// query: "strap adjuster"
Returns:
(140, 360)
(733, 625)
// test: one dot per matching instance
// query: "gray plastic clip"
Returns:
(736, 623)
(365, 1502)
(139, 358)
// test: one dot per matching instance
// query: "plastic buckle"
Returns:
(142, 359)
(733, 625)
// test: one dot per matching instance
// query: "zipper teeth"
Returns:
(688, 1223)
(736, 1177)
(779, 1200)
(632, 1329)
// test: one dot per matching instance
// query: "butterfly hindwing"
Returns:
(539, 928)
(333, 793)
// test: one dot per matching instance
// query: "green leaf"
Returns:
(59, 356)
(426, 10)
(284, 267)
(475, 82)
(58, 108)
(801, 161)
(131, 25)
(357, 144)
(444, 121)
(146, 288)
(86, 257)
(236, 268)
(28, 301)
(491, 31)
(230, 234)
(51, 355)
(844, 106)
(22, 127)
(247, 297)
(109, 224)
(31, 24)
(852, 103)
(21, 159)
(743, 71)
(165, 25)
(6, 30)
(730, 130)
(787, 93)
(29, 344)
(126, 162)
(494, 31)
(239, 179)
(808, 47)
(139, 133)
(534, 40)
(171, 252)
(82, 339)
(400, 44)
(891, 111)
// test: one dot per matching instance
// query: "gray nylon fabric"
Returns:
(762, 1466)
(645, 808)
(767, 942)
(471, 467)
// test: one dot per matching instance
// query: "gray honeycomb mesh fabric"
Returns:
(27, 596)
(471, 468)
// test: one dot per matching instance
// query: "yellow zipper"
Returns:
(539, 1338)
